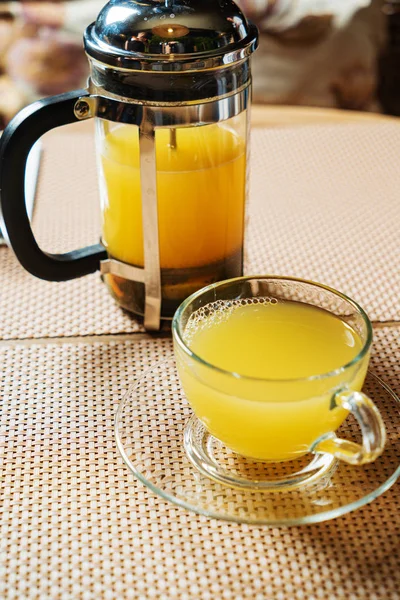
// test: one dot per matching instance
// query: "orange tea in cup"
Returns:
(272, 366)
(270, 340)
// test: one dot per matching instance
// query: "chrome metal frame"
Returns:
(149, 117)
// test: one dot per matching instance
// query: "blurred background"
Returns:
(328, 53)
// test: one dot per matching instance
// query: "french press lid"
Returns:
(170, 51)
(170, 35)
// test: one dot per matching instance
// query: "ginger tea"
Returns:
(266, 398)
(201, 191)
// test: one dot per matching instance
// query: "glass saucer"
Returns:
(154, 417)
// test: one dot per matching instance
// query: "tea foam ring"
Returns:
(218, 312)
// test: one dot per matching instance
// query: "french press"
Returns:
(169, 90)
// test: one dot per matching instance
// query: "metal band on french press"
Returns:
(128, 111)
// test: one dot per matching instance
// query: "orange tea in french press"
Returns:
(169, 90)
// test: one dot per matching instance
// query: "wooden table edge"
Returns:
(268, 115)
(263, 115)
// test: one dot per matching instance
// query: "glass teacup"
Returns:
(267, 418)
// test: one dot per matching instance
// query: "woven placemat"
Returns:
(324, 206)
(75, 525)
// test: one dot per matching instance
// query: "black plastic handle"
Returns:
(15, 143)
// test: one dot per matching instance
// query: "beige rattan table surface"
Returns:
(75, 524)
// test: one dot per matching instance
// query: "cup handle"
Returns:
(372, 429)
